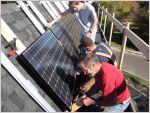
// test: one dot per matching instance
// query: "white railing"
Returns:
(127, 33)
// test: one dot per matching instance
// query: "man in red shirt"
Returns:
(114, 95)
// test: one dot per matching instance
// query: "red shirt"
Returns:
(112, 83)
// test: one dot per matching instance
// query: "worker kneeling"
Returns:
(102, 50)
(110, 89)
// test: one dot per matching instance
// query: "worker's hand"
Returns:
(88, 101)
(49, 25)
(88, 35)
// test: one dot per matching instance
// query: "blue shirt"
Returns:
(85, 16)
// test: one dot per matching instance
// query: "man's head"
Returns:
(76, 5)
(89, 64)
(88, 44)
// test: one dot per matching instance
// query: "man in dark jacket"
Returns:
(102, 50)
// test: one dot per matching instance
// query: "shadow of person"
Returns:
(73, 58)
(67, 78)
(69, 37)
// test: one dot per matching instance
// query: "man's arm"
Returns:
(93, 25)
(93, 15)
(92, 95)
(98, 99)
(49, 25)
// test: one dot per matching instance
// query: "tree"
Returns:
(142, 21)
(121, 9)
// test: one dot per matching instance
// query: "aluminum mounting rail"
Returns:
(31, 17)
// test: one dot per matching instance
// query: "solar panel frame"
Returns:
(64, 37)
(38, 69)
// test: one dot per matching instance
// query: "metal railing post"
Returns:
(98, 10)
(101, 18)
(124, 41)
(104, 27)
(111, 29)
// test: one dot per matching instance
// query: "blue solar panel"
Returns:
(66, 37)
(54, 65)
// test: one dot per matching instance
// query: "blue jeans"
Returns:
(117, 108)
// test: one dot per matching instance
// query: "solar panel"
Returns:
(68, 40)
(74, 27)
(53, 66)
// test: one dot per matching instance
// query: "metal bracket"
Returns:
(18, 6)
(12, 44)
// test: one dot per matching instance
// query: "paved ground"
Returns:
(134, 63)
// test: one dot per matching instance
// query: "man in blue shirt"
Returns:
(86, 15)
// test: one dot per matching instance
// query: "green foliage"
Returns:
(7, 2)
(137, 79)
(143, 19)
(121, 9)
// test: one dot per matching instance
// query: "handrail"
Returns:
(137, 41)
(124, 42)
(111, 30)
(118, 25)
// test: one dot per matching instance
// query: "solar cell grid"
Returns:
(63, 36)
(67, 19)
(76, 34)
(70, 22)
(72, 27)
(73, 32)
(57, 31)
(49, 59)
